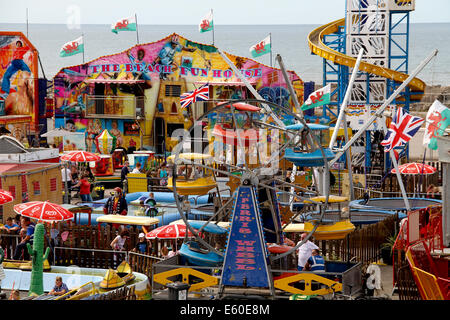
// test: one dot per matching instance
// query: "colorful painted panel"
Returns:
(94, 127)
(18, 75)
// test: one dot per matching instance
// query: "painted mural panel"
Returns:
(18, 74)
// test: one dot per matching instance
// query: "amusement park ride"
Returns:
(255, 255)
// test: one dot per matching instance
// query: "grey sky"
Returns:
(191, 11)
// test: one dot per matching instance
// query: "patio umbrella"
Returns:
(105, 142)
(415, 168)
(44, 211)
(5, 196)
(172, 231)
(58, 132)
(80, 156)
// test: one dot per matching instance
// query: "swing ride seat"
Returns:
(230, 136)
(241, 106)
(196, 186)
(192, 252)
(308, 159)
(333, 231)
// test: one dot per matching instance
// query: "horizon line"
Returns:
(164, 24)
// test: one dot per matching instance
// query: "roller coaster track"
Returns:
(317, 47)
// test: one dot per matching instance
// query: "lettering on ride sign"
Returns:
(246, 255)
(168, 69)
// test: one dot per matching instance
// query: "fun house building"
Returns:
(135, 94)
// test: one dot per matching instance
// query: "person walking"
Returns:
(85, 188)
(66, 176)
(162, 175)
(118, 244)
(123, 175)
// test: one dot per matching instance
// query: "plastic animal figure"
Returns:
(37, 259)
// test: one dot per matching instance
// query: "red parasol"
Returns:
(80, 156)
(44, 211)
(171, 231)
(5, 196)
(415, 168)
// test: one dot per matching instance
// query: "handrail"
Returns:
(317, 47)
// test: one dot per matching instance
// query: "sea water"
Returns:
(290, 41)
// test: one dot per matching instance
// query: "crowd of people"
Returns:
(22, 227)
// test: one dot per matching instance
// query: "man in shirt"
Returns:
(315, 263)
(60, 287)
(22, 246)
(10, 227)
(142, 245)
(137, 169)
(66, 175)
(304, 252)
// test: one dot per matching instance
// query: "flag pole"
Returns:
(270, 39)
(213, 25)
(82, 36)
(137, 32)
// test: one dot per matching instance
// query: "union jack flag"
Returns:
(200, 94)
(402, 128)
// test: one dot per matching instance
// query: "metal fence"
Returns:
(363, 244)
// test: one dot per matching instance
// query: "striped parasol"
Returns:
(171, 231)
(43, 211)
(415, 168)
(5, 196)
(80, 156)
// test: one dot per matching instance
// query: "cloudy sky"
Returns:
(189, 12)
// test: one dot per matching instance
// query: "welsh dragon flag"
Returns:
(207, 23)
(125, 24)
(318, 98)
(261, 47)
(72, 47)
(438, 119)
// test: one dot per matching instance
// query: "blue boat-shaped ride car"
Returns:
(308, 159)
(197, 256)
(210, 227)
(311, 126)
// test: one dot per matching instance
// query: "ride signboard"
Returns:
(246, 256)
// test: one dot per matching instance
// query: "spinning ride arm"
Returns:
(252, 176)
